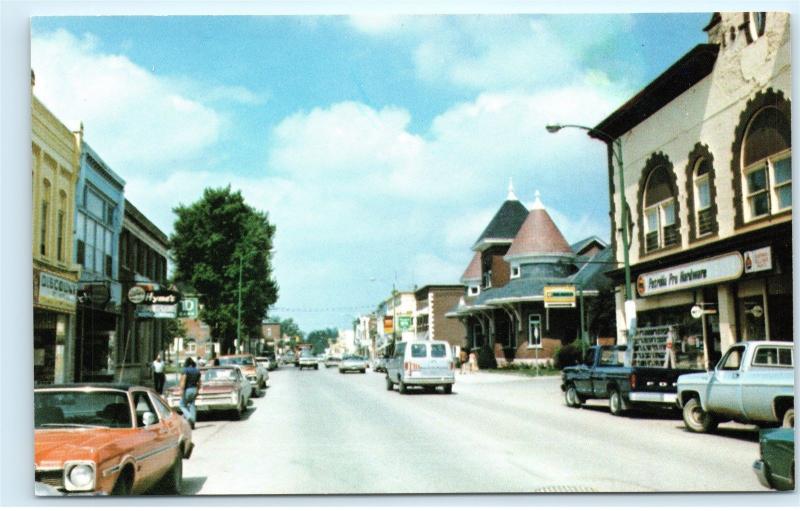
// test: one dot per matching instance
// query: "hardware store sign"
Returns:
(691, 275)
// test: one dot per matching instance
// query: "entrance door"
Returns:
(752, 316)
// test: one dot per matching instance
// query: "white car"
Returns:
(353, 363)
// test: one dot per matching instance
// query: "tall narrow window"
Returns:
(702, 198)
(767, 165)
(60, 235)
(43, 229)
(661, 228)
(534, 331)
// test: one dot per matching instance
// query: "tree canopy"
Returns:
(213, 238)
(321, 338)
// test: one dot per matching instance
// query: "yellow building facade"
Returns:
(55, 159)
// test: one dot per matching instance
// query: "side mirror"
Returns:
(177, 409)
(149, 419)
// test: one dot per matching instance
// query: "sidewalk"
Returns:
(493, 377)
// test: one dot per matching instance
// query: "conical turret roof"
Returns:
(473, 271)
(505, 223)
(538, 235)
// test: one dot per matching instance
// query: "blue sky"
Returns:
(378, 145)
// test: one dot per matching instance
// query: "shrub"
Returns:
(570, 354)
(486, 358)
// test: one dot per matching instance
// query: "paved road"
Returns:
(321, 432)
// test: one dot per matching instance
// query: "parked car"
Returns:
(265, 364)
(222, 388)
(753, 383)
(99, 439)
(775, 466)
(353, 363)
(333, 360)
(427, 364)
(379, 365)
(256, 375)
(307, 359)
(603, 374)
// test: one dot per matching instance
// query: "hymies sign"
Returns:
(691, 275)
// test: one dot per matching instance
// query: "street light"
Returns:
(616, 151)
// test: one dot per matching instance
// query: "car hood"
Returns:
(694, 378)
(60, 445)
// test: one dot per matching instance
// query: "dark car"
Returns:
(775, 467)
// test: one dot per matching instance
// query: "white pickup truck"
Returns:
(753, 383)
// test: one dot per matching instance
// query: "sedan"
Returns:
(775, 467)
(223, 388)
(352, 363)
(101, 439)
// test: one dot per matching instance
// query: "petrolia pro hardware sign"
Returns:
(559, 297)
(691, 275)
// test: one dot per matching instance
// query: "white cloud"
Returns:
(435, 269)
(135, 117)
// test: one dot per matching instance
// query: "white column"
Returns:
(619, 300)
(727, 316)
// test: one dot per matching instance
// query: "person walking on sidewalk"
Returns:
(473, 362)
(463, 359)
(190, 386)
(158, 374)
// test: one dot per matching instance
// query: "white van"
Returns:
(426, 364)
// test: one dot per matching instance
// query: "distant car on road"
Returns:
(333, 360)
(352, 363)
(775, 467)
(427, 364)
(753, 383)
(288, 358)
(266, 364)
(99, 439)
(379, 365)
(307, 359)
(222, 388)
(256, 374)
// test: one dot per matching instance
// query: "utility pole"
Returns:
(239, 310)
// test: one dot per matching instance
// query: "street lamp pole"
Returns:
(616, 151)
(239, 308)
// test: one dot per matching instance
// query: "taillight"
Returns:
(633, 380)
(452, 366)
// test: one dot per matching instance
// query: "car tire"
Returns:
(172, 483)
(572, 398)
(696, 419)
(363, 371)
(389, 384)
(341, 371)
(788, 419)
(448, 389)
(616, 403)
(401, 387)
(124, 484)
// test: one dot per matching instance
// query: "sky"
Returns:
(380, 146)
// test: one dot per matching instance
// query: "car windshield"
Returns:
(353, 357)
(81, 408)
(238, 361)
(221, 374)
(305, 354)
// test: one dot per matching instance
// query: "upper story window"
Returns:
(487, 279)
(473, 291)
(766, 165)
(704, 216)
(515, 273)
(660, 216)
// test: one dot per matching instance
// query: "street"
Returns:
(321, 432)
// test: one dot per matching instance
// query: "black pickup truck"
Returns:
(604, 375)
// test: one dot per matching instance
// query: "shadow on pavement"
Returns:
(731, 430)
(193, 485)
(640, 413)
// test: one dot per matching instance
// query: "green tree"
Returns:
(320, 338)
(213, 238)
(288, 327)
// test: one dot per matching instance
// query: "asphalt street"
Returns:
(321, 432)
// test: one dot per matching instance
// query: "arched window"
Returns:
(704, 216)
(767, 164)
(660, 225)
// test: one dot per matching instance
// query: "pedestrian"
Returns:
(158, 374)
(473, 362)
(462, 358)
(215, 362)
(190, 386)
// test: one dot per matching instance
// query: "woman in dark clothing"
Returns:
(190, 386)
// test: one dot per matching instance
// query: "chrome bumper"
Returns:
(430, 380)
(666, 398)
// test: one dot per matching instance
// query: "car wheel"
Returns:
(363, 371)
(172, 482)
(571, 397)
(448, 389)
(124, 484)
(316, 367)
(616, 403)
(341, 371)
(788, 418)
(401, 387)
(696, 419)
(389, 384)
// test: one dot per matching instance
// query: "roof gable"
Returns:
(473, 271)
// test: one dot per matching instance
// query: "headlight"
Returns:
(79, 476)
(234, 396)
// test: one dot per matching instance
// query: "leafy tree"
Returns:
(288, 327)
(214, 239)
(320, 338)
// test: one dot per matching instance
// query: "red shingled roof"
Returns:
(538, 235)
(473, 271)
